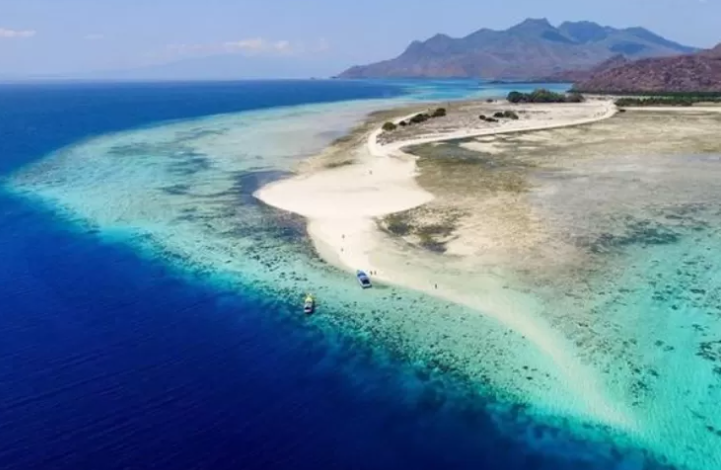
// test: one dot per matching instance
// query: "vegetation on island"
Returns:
(506, 115)
(429, 234)
(417, 119)
(338, 164)
(439, 112)
(669, 99)
(498, 116)
(541, 95)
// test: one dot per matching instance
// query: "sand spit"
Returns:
(377, 178)
(341, 205)
(588, 241)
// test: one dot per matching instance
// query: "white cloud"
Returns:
(93, 37)
(250, 45)
(16, 34)
(282, 46)
(258, 46)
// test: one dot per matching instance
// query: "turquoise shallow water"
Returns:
(650, 325)
(182, 191)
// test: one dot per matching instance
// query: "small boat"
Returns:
(363, 279)
(309, 304)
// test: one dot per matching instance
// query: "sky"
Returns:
(290, 37)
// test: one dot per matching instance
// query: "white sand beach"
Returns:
(341, 205)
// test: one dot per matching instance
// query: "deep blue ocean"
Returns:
(110, 360)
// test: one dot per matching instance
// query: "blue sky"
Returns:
(304, 36)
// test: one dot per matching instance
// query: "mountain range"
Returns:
(532, 49)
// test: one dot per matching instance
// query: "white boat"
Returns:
(363, 279)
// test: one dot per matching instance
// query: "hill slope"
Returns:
(531, 49)
(687, 73)
(575, 76)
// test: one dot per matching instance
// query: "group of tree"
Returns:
(678, 99)
(417, 119)
(542, 95)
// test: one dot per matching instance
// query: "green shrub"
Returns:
(694, 95)
(482, 117)
(510, 115)
(439, 112)
(515, 97)
(660, 101)
(419, 118)
(389, 126)
(498, 115)
(541, 95)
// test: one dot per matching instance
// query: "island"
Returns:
(571, 200)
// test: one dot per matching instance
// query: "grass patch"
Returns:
(398, 224)
(430, 229)
(339, 164)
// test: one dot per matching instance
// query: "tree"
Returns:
(389, 126)
(541, 95)
(515, 97)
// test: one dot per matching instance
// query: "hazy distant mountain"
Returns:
(531, 49)
(688, 73)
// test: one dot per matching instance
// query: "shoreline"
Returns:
(341, 206)
(377, 168)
